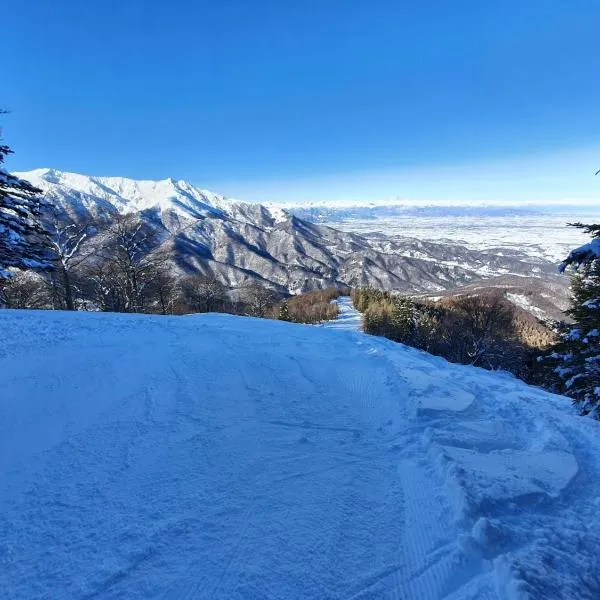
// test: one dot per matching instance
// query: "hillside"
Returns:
(223, 457)
(546, 298)
(240, 243)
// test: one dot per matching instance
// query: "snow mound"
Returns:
(223, 457)
(585, 253)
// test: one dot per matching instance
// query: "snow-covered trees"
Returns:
(66, 240)
(575, 360)
(21, 233)
(25, 289)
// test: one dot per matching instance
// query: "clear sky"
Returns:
(311, 99)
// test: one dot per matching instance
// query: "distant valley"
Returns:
(540, 231)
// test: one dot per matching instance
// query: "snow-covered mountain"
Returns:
(233, 458)
(240, 243)
(88, 194)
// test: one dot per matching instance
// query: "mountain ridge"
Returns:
(242, 243)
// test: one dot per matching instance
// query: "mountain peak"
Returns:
(129, 195)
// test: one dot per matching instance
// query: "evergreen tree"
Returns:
(21, 232)
(402, 320)
(284, 312)
(575, 360)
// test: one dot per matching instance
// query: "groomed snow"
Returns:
(349, 319)
(234, 458)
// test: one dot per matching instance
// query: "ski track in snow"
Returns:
(349, 319)
(215, 457)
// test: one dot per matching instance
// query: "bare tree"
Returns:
(102, 286)
(25, 289)
(203, 294)
(133, 258)
(164, 290)
(480, 330)
(66, 241)
(259, 299)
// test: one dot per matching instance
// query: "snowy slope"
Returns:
(349, 319)
(226, 457)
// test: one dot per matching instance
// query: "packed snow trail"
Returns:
(349, 319)
(233, 458)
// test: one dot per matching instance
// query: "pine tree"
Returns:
(575, 359)
(21, 232)
(403, 320)
(284, 312)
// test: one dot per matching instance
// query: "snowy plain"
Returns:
(214, 456)
(541, 235)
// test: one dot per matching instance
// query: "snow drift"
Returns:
(225, 457)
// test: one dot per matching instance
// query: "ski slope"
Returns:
(222, 457)
(349, 319)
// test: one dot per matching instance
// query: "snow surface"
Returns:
(225, 457)
(349, 319)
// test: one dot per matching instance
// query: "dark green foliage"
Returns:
(21, 233)
(284, 312)
(572, 366)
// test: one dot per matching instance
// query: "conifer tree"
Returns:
(576, 358)
(402, 320)
(21, 232)
(284, 312)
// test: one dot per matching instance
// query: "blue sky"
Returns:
(311, 100)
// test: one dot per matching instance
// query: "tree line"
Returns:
(310, 307)
(480, 330)
(122, 264)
